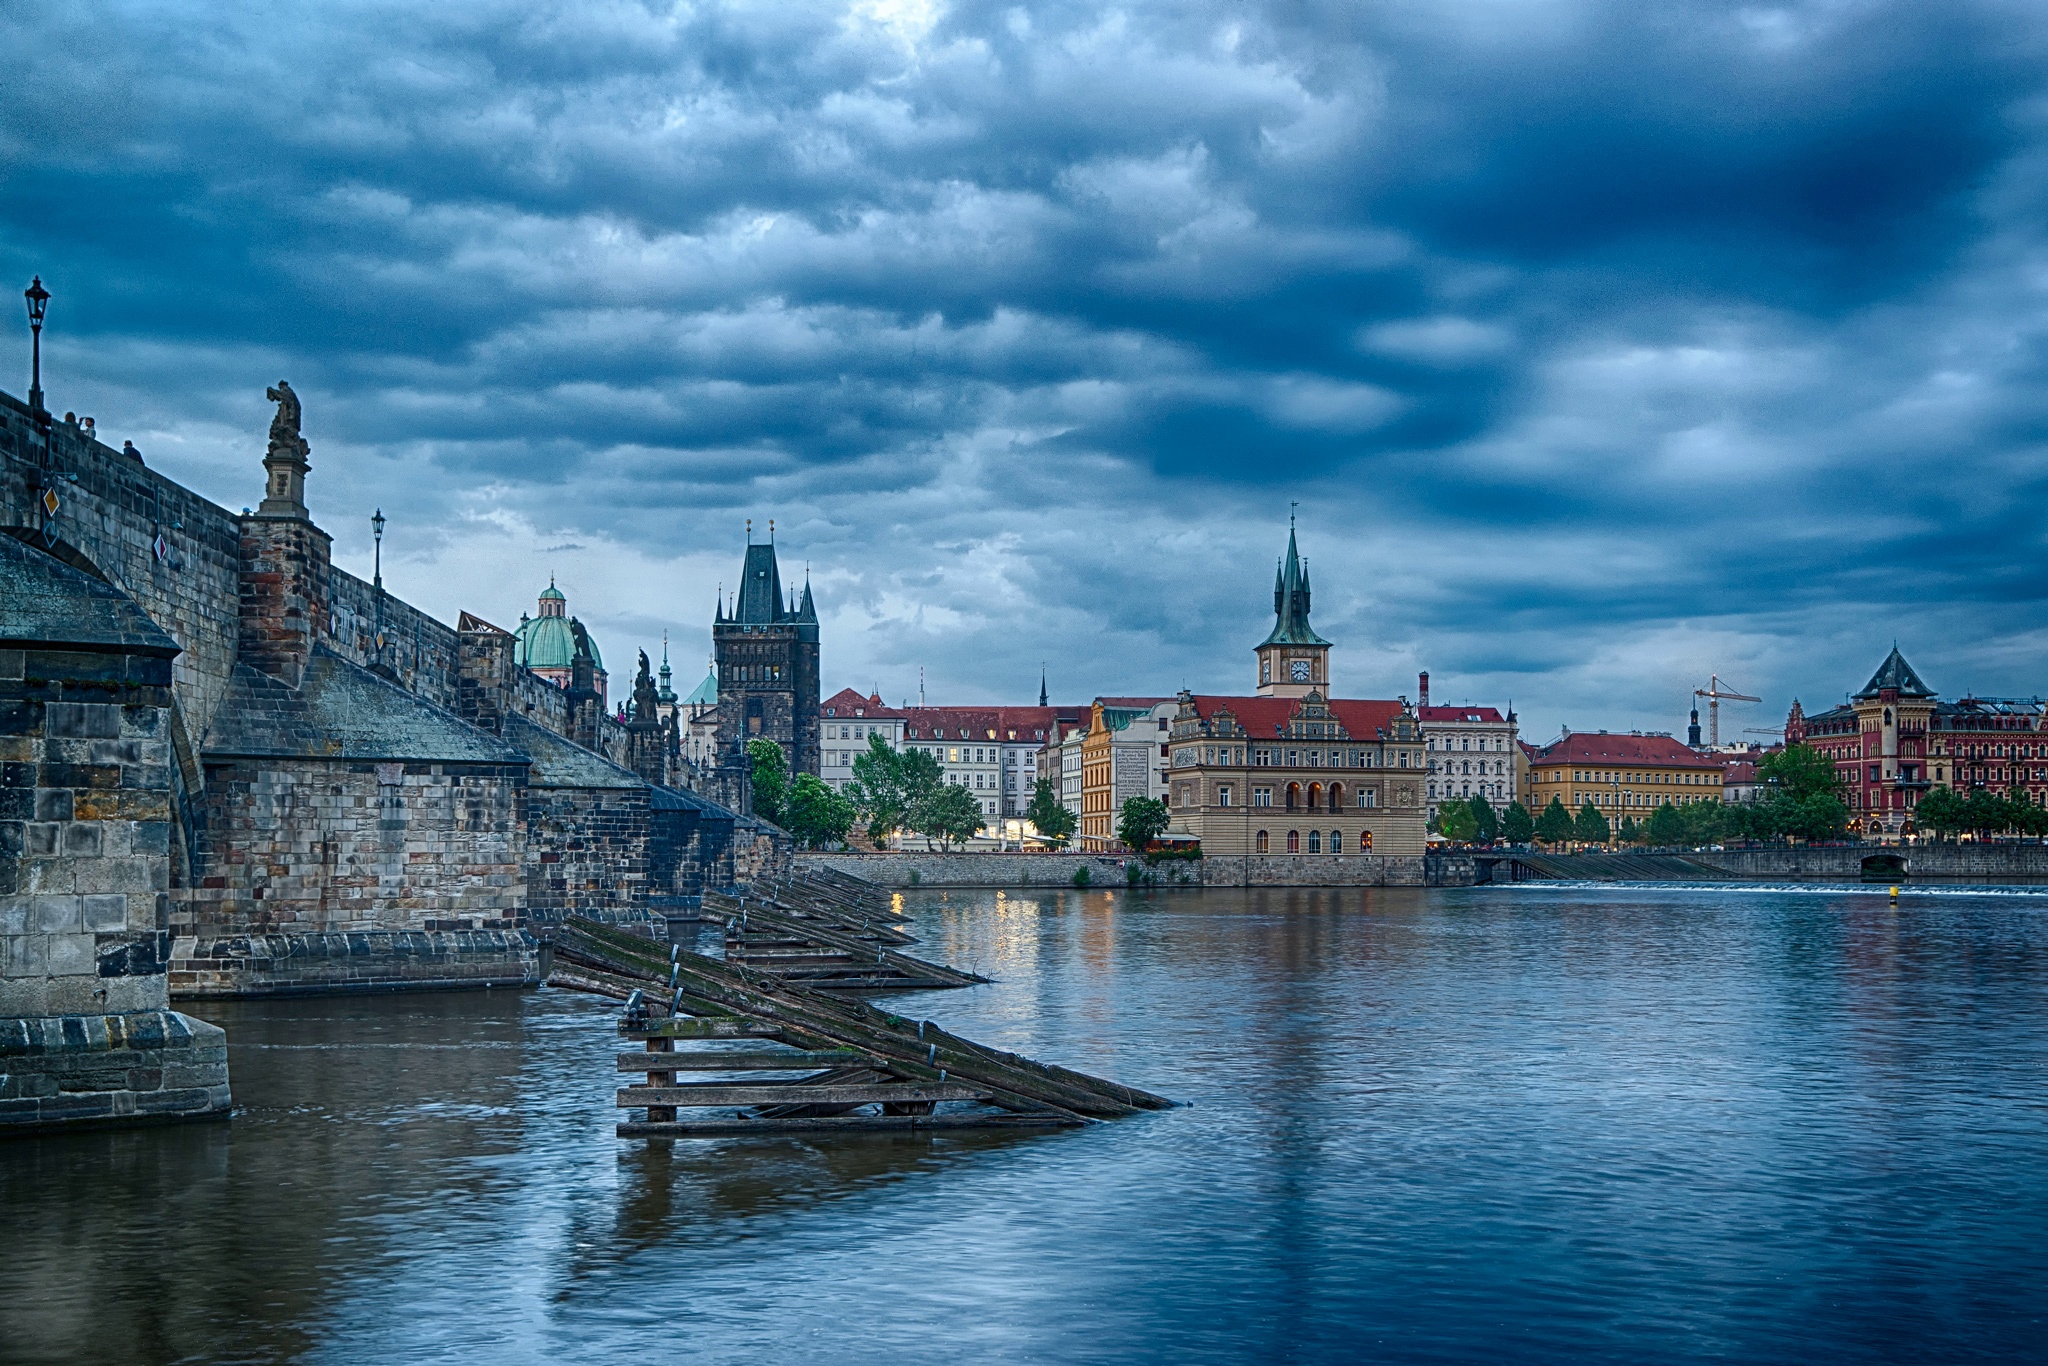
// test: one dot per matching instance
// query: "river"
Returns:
(1539, 1124)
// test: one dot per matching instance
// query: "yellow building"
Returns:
(1621, 775)
(1120, 759)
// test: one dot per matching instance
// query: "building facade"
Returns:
(1622, 775)
(1289, 770)
(1471, 752)
(766, 652)
(1123, 755)
(850, 721)
(1896, 740)
(993, 752)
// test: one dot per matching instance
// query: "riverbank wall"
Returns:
(905, 870)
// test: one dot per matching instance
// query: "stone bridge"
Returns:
(220, 777)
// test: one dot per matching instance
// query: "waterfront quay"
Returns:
(1533, 1123)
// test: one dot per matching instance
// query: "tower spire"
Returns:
(1041, 684)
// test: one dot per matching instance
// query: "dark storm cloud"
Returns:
(1604, 345)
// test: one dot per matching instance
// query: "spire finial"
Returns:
(771, 531)
(750, 531)
(1290, 514)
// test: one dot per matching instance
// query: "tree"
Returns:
(1049, 815)
(1664, 826)
(1627, 833)
(815, 814)
(771, 778)
(1142, 820)
(1485, 824)
(1800, 771)
(1941, 811)
(1985, 813)
(1554, 826)
(1517, 826)
(1454, 821)
(1705, 822)
(948, 813)
(887, 782)
(1590, 826)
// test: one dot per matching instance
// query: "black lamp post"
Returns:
(38, 304)
(377, 529)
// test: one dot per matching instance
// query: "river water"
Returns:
(1537, 1124)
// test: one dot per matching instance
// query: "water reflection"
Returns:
(1494, 1124)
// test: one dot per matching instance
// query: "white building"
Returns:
(991, 751)
(847, 724)
(1471, 752)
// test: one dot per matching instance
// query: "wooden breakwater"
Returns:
(834, 1064)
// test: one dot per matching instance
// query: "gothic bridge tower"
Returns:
(768, 685)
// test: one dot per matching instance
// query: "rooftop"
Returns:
(1263, 717)
(1599, 747)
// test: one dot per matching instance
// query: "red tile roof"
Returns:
(1264, 717)
(1598, 747)
(1460, 714)
(949, 723)
(1739, 773)
(846, 702)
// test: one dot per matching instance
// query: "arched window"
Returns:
(1365, 841)
(1336, 841)
(1336, 796)
(1315, 795)
(1315, 841)
(1294, 841)
(1261, 842)
(1293, 796)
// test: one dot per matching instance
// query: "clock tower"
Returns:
(1293, 660)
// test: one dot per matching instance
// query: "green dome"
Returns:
(552, 593)
(548, 643)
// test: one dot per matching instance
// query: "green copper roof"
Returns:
(548, 643)
(705, 693)
(1290, 602)
(552, 593)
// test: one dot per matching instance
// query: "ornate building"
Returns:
(1896, 740)
(1290, 770)
(549, 643)
(767, 663)
(1472, 751)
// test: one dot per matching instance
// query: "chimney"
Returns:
(1422, 688)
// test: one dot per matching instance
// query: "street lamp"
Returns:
(377, 530)
(38, 304)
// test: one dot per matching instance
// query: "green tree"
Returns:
(1454, 821)
(948, 813)
(1590, 826)
(1941, 811)
(1984, 813)
(887, 782)
(1485, 824)
(815, 814)
(1555, 826)
(1664, 826)
(771, 778)
(1627, 833)
(1517, 826)
(1049, 815)
(1140, 821)
(1800, 771)
(1703, 822)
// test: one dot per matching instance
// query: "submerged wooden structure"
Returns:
(802, 932)
(783, 1057)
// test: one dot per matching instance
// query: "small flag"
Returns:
(50, 501)
(161, 546)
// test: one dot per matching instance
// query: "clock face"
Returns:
(1299, 668)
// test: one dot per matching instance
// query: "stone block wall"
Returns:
(73, 1070)
(587, 853)
(304, 846)
(1106, 870)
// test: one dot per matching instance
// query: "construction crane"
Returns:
(1715, 694)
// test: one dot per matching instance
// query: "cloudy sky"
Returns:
(1604, 346)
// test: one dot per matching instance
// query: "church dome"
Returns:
(548, 641)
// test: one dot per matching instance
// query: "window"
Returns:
(1259, 841)
(1365, 841)
(1315, 841)
(1294, 841)
(1336, 841)
(1369, 797)
(1262, 796)
(1223, 795)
